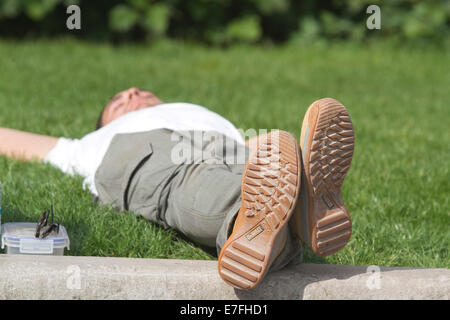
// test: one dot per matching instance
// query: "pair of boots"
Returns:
(286, 182)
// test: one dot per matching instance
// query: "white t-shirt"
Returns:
(83, 156)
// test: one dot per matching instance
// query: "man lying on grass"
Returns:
(176, 164)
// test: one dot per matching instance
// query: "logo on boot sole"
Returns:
(254, 233)
(327, 201)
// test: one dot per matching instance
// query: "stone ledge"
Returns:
(68, 277)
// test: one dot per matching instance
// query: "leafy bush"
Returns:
(225, 21)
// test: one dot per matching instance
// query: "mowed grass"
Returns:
(397, 190)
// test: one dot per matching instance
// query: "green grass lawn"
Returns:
(397, 190)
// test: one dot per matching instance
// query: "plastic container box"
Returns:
(18, 237)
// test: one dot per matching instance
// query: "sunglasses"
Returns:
(44, 228)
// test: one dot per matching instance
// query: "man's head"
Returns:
(126, 101)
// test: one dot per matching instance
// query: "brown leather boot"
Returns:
(270, 188)
(321, 220)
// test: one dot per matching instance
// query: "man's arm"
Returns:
(24, 145)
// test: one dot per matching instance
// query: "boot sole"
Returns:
(270, 187)
(327, 148)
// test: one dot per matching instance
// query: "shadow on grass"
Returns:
(310, 257)
(209, 250)
(78, 231)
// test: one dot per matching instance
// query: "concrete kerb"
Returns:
(68, 277)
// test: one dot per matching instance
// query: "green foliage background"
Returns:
(221, 22)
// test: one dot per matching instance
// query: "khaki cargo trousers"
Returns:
(189, 181)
